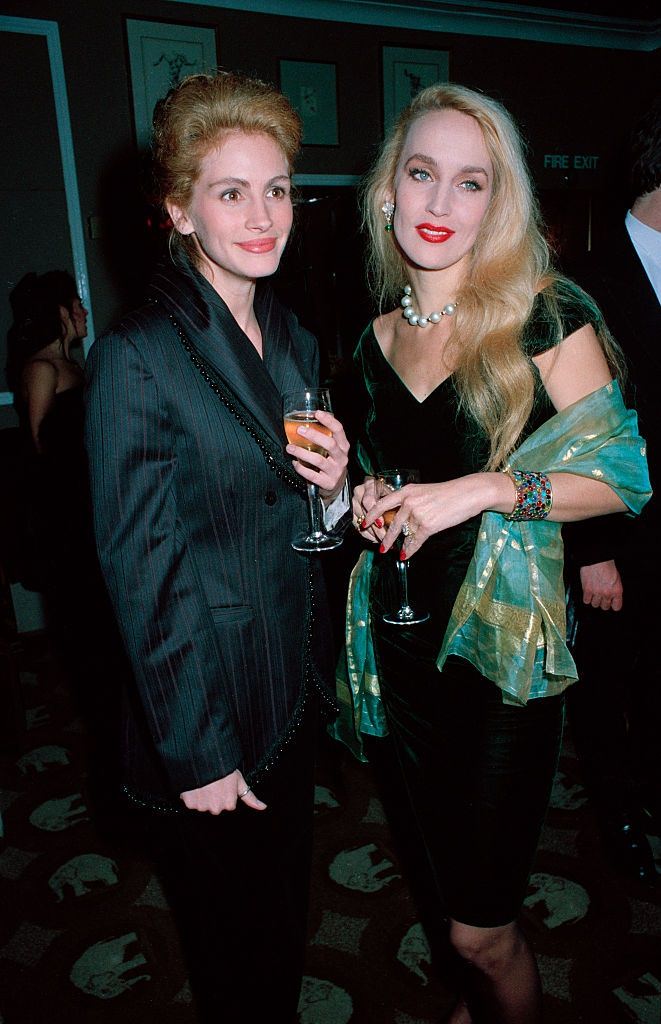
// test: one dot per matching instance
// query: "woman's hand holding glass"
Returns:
(364, 499)
(431, 508)
(328, 472)
(318, 442)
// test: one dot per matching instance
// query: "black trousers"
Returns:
(238, 887)
(615, 707)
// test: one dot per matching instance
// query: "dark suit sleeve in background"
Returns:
(603, 538)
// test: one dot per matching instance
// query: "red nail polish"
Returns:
(363, 523)
(378, 523)
(402, 555)
(382, 549)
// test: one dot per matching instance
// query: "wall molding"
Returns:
(326, 179)
(466, 17)
(50, 31)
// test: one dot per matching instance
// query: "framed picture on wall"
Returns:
(405, 73)
(160, 55)
(312, 90)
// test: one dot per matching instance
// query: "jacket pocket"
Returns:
(232, 613)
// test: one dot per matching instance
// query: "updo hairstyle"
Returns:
(194, 118)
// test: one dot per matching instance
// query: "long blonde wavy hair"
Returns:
(509, 264)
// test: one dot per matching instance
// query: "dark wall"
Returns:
(571, 100)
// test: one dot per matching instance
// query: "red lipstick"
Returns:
(258, 245)
(432, 233)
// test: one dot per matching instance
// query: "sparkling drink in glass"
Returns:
(299, 409)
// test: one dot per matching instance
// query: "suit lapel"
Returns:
(639, 299)
(207, 323)
(643, 293)
(282, 357)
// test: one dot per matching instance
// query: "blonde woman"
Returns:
(494, 379)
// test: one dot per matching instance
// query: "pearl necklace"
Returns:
(415, 319)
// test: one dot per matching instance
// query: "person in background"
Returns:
(196, 502)
(49, 321)
(491, 370)
(616, 712)
(54, 533)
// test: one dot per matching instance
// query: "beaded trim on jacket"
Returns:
(272, 455)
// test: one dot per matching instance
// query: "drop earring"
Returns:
(389, 209)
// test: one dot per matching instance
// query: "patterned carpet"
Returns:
(85, 932)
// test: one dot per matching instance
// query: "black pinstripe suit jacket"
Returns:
(223, 622)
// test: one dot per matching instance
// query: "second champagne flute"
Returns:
(300, 408)
(387, 481)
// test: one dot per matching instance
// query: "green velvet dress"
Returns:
(478, 771)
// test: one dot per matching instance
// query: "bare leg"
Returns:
(503, 974)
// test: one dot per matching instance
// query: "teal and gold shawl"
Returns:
(509, 618)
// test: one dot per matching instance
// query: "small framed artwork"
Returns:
(405, 73)
(312, 90)
(160, 55)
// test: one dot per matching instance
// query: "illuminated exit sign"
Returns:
(567, 161)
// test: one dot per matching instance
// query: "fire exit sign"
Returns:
(573, 161)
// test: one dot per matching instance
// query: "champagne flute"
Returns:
(387, 481)
(299, 408)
